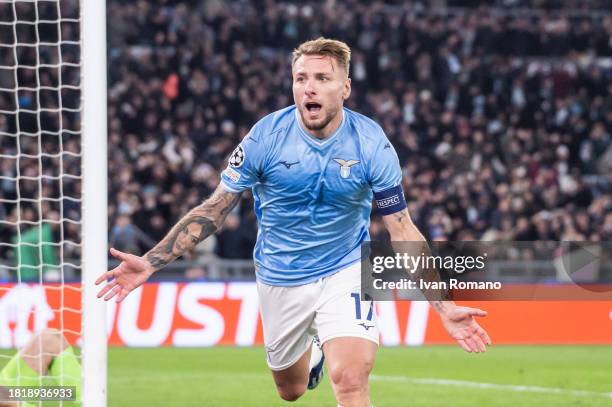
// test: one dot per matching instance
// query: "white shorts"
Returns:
(331, 307)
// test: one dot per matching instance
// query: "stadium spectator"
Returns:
(127, 236)
(232, 240)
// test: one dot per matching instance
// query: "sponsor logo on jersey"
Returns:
(288, 165)
(232, 174)
(345, 166)
(392, 200)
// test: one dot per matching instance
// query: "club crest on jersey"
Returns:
(345, 166)
(237, 157)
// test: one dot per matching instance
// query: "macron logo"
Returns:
(383, 203)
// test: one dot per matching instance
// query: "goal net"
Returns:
(53, 181)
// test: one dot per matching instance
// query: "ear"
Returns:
(347, 89)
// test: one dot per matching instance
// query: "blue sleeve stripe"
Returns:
(390, 200)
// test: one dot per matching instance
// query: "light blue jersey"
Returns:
(312, 198)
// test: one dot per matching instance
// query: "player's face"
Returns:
(320, 87)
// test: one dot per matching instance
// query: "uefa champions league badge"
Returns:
(345, 166)
(237, 157)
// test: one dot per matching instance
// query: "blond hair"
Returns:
(328, 47)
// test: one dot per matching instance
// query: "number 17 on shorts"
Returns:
(364, 314)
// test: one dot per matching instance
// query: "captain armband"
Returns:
(390, 200)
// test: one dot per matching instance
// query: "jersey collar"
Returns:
(315, 142)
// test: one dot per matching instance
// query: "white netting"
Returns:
(40, 166)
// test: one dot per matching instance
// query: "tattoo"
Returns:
(401, 215)
(201, 222)
(439, 306)
(435, 296)
(409, 233)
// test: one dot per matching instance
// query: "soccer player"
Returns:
(313, 168)
(44, 360)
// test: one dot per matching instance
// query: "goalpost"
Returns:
(94, 165)
(53, 177)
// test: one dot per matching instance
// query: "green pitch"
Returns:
(428, 377)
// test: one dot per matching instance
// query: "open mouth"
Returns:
(313, 107)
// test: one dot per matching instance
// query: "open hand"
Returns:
(462, 327)
(130, 274)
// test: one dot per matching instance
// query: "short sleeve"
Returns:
(384, 167)
(386, 178)
(245, 163)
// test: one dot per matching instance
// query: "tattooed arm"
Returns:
(201, 222)
(458, 321)
(402, 229)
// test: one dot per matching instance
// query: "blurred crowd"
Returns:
(40, 163)
(502, 122)
(501, 119)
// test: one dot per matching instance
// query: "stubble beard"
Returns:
(312, 126)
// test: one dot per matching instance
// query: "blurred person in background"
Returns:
(128, 237)
(36, 249)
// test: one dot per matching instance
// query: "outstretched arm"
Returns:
(458, 321)
(201, 222)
